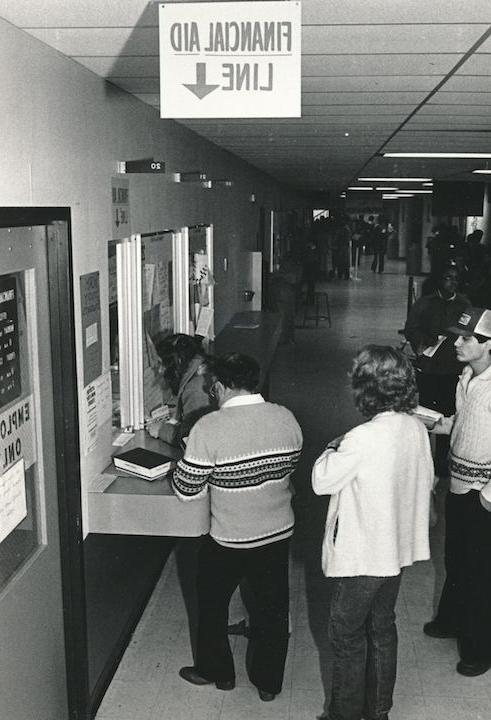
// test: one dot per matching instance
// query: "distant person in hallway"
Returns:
(379, 476)
(310, 266)
(437, 367)
(379, 245)
(464, 610)
(242, 455)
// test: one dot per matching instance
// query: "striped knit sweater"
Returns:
(243, 454)
(470, 442)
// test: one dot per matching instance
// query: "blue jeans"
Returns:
(364, 642)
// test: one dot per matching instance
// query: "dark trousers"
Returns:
(378, 260)
(364, 641)
(438, 393)
(465, 603)
(220, 571)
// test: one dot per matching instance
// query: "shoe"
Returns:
(191, 675)
(266, 696)
(473, 669)
(434, 630)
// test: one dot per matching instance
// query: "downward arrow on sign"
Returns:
(200, 88)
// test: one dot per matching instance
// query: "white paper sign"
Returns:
(97, 409)
(230, 59)
(13, 505)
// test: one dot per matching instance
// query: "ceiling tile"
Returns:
(381, 11)
(366, 65)
(370, 84)
(369, 39)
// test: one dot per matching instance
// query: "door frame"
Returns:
(65, 401)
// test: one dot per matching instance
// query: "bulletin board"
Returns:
(158, 310)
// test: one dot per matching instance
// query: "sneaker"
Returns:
(473, 669)
(434, 630)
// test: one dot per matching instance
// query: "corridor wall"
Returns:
(63, 132)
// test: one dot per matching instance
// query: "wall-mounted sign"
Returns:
(120, 188)
(10, 386)
(90, 307)
(147, 165)
(230, 59)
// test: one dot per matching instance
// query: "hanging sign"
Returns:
(230, 59)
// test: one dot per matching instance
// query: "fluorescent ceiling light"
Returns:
(482, 172)
(386, 188)
(405, 195)
(428, 184)
(361, 188)
(390, 196)
(393, 179)
(436, 155)
(421, 192)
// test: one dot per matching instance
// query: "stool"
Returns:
(322, 309)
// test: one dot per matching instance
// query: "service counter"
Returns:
(120, 503)
(123, 504)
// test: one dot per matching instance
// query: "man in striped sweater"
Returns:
(464, 611)
(243, 455)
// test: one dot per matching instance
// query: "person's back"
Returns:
(380, 511)
(252, 449)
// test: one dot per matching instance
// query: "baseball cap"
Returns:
(474, 321)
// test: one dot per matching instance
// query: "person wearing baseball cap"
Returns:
(464, 610)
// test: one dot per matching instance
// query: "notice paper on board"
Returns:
(13, 504)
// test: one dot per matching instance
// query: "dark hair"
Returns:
(382, 379)
(233, 370)
(176, 352)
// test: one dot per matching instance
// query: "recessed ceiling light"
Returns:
(436, 155)
(393, 179)
(361, 188)
(482, 172)
(421, 192)
(346, 134)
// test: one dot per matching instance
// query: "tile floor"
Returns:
(310, 378)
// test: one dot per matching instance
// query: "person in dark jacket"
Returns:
(437, 367)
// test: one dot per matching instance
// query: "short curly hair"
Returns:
(383, 379)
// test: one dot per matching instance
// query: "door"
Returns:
(32, 652)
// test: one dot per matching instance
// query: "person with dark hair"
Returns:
(437, 367)
(184, 371)
(464, 610)
(379, 477)
(243, 455)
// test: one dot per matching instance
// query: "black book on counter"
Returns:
(144, 463)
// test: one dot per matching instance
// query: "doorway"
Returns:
(43, 660)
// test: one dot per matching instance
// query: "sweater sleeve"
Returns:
(190, 478)
(335, 469)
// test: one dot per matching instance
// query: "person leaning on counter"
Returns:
(184, 371)
(242, 454)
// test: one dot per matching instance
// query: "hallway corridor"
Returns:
(310, 378)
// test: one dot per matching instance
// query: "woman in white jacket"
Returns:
(379, 476)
